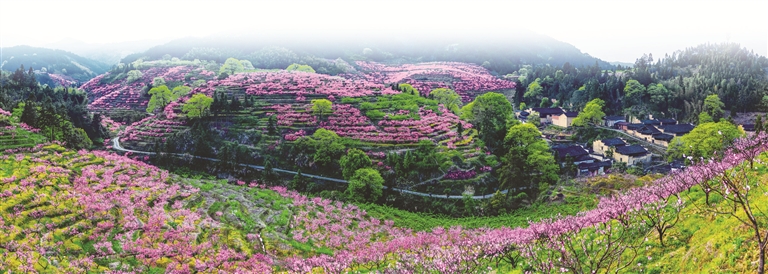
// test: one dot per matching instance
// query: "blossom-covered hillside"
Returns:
(77, 211)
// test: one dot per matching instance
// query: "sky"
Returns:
(618, 30)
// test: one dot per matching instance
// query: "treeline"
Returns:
(60, 113)
(673, 86)
(500, 53)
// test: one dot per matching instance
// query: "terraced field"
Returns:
(13, 137)
(366, 108)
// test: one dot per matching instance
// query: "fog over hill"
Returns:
(108, 53)
(504, 52)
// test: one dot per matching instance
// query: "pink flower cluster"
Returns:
(150, 127)
(287, 116)
(294, 136)
(62, 80)
(379, 155)
(468, 80)
(456, 174)
(170, 109)
(123, 95)
(348, 121)
(29, 128)
(292, 83)
(457, 249)
(4, 113)
(83, 205)
(110, 124)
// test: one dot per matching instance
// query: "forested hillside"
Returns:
(673, 86)
(57, 113)
(56, 67)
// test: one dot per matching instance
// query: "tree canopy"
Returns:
(714, 107)
(180, 91)
(449, 98)
(408, 89)
(161, 96)
(704, 140)
(231, 66)
(197, 106)
(528, 161)
(322, 106)
(490, 113)
(591, 114)
(298, 67)
(365, 185)
(354, 160)
(534, 90)
(634, 92)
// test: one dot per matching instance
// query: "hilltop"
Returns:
(54, 67)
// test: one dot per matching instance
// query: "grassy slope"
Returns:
(518, 218)
(706, 242)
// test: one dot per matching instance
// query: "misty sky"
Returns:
(610, 30)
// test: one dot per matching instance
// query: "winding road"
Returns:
(116, 145)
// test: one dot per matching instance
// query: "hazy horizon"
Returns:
(604, 29)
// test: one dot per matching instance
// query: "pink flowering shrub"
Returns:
(455, 174)
(123, 95)
(294, 136)
(124, 208)
(468, 80)
(295, 83)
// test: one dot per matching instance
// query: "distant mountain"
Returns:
(501, 53)
(51, 61)
(110, 53)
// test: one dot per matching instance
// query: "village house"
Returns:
(610, 121)
(545, 114)
(576, 153)
(584, 162)
(663, 139)
(564, 119)
(652, 122)
(601, 147)
(632, 155)
(667, 121)
(647, 132)
(632, 128)
(678, 129)
(522, 115)
(593, 169)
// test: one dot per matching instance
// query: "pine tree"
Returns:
(299, 182)
(268, 170)
(272, 124)
(758, 124)
(765, 121)
(29, 114)
(235, 105)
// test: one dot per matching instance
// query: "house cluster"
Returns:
(551, 116)
(619, 151)
(655, 131)
(601, 156)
